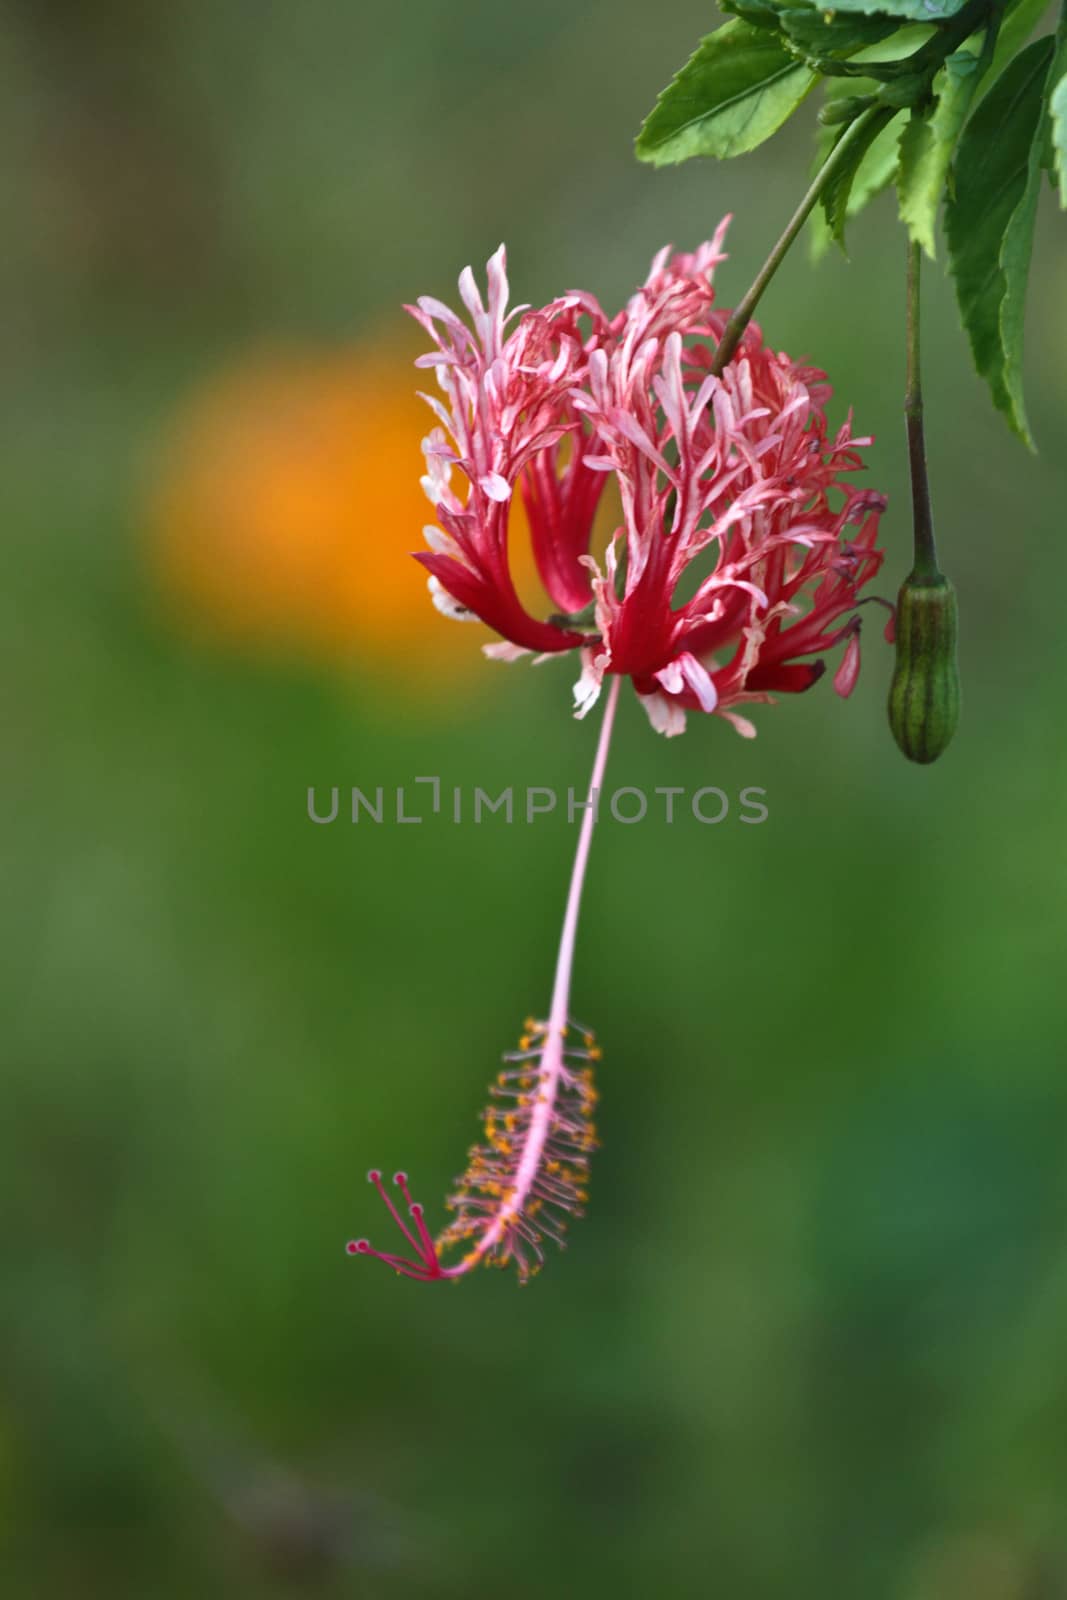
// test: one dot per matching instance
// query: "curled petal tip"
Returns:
(849, 670)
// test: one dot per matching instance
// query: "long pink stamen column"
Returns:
(552, 1054)
(533, 1168)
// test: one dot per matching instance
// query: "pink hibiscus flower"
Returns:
(742, 550)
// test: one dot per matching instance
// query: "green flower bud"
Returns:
(924, 697)
(845, 109)
(908, 90)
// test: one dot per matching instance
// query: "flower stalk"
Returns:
(561, 987)
(734, 330)
(924, 696)
(925, 564)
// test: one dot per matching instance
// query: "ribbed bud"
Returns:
(846, 109)
(906, 90)
(924, 697)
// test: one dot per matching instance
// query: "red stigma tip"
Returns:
(400, 1178)
(374, 1176)
(415, 1208)
(357, 1247)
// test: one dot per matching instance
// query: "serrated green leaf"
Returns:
(876, 171)
(927, 146)
(819, 236)
(1057, 106)
(1020, 19)
(856, 179)
(990, 223)
(760, 13)
(825, 33)
(904, 42)
(736, 91)
(911, 10)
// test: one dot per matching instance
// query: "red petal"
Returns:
(788, 678)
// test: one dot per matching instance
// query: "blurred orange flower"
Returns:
(286, 506)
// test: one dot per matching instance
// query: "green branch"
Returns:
(734, 330)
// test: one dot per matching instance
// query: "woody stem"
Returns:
(734, 330)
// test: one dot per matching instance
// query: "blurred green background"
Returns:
(810, 1339)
